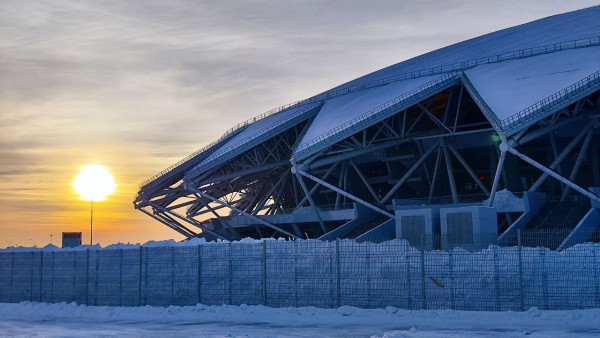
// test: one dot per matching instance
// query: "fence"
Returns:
(308, 273)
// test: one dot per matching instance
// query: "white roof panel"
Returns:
(511, 86)
(257, 131)
(341, 112)
(570, 26)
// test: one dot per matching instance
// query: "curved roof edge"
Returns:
(233, 150)
(373, 116)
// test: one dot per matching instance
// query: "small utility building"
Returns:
(71, 239)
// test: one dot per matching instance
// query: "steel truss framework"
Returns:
(442, 150)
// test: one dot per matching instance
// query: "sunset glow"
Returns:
(94, 182)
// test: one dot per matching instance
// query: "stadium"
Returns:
(467, 145)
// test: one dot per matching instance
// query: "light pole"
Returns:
(51, 238)
(91, 219)
(93, 183)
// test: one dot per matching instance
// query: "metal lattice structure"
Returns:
(489, 136)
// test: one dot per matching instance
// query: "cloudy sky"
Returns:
(137, 85)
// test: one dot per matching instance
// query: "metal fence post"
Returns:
(296, 273)
(339, 273)
(424, 305)
(408, 279)
(140, 278)
(496, 279)
(31, 278)
(451, 272)
(230, 276)
(74, 276)
(87, 277)
(12, 275)
(521, 291)
(52, 279)
(264, 261)
(120, 277)
(368, 268)
(146, 276)
(41, 275)
(172, 302)
(96, 277)
(596, 282)
(545, 279)
(199, 278)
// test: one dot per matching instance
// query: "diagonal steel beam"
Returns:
(184, 231)
(218, 216)
(433, 117)
(364, 180)
(561, 157)
(190, 221)
(464, 163)
(312, 204)
(313, 189)
(410, 172)
(556, 176)
(435, 174)
(242, 212)
(578, 161)
(342, 192)
(451, 180)
(265, 198)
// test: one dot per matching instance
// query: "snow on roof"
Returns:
(255, 133)
(570, 26)
(345, 111)
(508, 87)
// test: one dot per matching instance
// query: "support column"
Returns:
(450, 171)
(503, 148)
(435, 174)
(312, 203)
(578, 161)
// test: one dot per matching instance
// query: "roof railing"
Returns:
(542, 107)
(453, 67)
(227, 133)
(349, 127)
(223, 151)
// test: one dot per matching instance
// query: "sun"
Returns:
(94, 183)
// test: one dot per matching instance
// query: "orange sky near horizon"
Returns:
(52, 205)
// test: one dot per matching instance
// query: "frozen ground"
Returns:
(71, 320)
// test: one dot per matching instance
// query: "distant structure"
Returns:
(71, 239)
(464, 145)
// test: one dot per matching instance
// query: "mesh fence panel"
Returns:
(310, 273)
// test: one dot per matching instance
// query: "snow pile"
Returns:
(77, 320)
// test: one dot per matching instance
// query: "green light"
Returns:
(496, 138)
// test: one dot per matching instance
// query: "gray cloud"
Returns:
(166, 66)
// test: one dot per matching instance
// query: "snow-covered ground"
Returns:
(72, 320)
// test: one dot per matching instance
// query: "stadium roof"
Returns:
(517, 76)
(510, 70)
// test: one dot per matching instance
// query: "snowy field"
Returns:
(71, 320)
